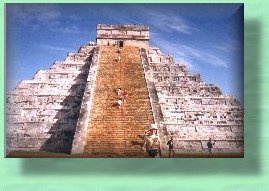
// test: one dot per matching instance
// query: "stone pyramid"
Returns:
(71, 109)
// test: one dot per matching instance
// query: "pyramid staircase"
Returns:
(113, 131)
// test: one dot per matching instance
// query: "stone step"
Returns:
(111, 127)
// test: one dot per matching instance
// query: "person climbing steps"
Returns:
(124, 95)
(120, 102)
(118, 91)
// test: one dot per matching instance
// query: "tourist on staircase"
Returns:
(210, 148)
(124, 95)
(120, 102)
(152, 142)
(170, 144)
(119, 50)
(118, 91)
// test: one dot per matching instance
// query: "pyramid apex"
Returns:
(124, 34)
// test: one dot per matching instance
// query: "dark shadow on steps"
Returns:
(63, 131)
(250, 165)
(140, 143)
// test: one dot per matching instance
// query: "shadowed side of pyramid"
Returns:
(73, 107)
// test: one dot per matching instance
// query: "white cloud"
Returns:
(71, 29)
(187, 54)
(204, 56)
(36, 16)
(233, 45)
(54, 48)
(35, 13)
(167, 21)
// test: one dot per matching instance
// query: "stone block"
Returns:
(237, 128)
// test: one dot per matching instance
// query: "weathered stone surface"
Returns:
(42, 113)
(135, 35)
(69, 108)
(113, 131)
(192, 111)
(80, 136)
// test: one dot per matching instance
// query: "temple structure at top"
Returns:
(135, 35)
(74, 109)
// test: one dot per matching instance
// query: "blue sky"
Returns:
(208, 38)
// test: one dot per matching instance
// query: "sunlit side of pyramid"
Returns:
(71, 108)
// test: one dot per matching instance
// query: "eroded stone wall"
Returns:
(191, 110)
(51, 111)
(80, 137)
(42, 113)
(135, 35)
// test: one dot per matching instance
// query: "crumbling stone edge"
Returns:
(80, 136)
(154, 101)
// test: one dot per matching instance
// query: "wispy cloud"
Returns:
(204, 56)
(168, 21)
(71, 29)
(233, 45)
(54, 48)
(38, 16)
(187, 54)
(36, 13)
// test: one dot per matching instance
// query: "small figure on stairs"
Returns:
(118, 51)
(120, 102)
(152, 142)
(124, 95)
(210, 148)
(170, 144)
(118, 91)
